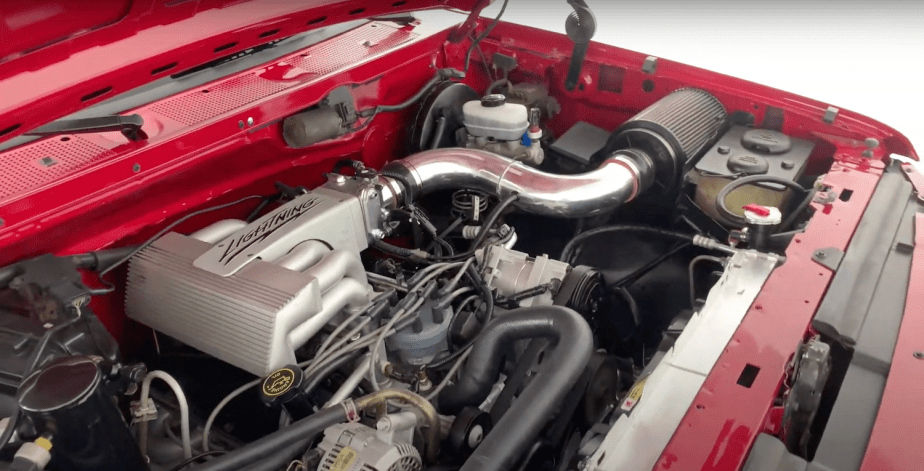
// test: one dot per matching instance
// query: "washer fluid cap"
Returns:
(766, 141)
(748, 164)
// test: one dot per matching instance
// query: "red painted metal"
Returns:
(916, 179)
(757, 209)
(720, 427)
(30, 26)
(51, 68)
(107, 191)
(100, 200)
(893, 444)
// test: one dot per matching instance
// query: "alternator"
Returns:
(349, 447)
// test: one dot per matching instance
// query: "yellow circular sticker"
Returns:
(278, 382)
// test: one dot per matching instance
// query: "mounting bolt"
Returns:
(240, 124)
(871, 144)
(377, 234)
(136, 168)
(919, 355)
(475, 436)
(820, 254)
(2, 222)
(250, 121)
(384, 424)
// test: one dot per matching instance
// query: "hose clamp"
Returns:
(349, 407)
(633, 169)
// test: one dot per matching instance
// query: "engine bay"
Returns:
(488, 274)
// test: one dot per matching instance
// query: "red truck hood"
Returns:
(58, 57)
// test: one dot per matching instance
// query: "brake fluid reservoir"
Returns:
(493, 117)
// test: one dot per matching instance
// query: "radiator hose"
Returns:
(572, 346)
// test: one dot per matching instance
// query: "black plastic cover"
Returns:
(581, 142)
(744, 151)
(68, 398)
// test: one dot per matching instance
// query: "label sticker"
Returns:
(635, 394)
(278, 382)
(345, 459)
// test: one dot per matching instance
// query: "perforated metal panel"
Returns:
(23, 169)
(321, 59)
(197, 107)
(350, 47)
(35, 165)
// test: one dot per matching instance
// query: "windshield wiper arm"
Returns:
(129, 126)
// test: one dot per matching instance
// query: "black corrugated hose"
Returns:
(572, 342)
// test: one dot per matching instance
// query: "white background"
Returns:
(865, 57)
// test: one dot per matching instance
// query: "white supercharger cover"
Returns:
(507, 122)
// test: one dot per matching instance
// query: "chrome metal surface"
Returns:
(595, 192)
(332, 216)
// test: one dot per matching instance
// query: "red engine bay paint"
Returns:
(221, 141)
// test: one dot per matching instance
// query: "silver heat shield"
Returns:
(250, 294)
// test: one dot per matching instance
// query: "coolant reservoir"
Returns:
(493, 117)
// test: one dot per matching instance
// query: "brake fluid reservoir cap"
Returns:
(762, 215)
(748, 164)
(766, 141)
(493, 101)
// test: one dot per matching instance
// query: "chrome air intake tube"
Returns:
(619, 179)
(650, 148)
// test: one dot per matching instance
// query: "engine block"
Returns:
(250, 294)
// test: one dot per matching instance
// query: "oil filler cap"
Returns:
(284, 388)
(281, 385)
(748, 164)
(766, 141)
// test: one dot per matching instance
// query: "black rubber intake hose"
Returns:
(299, 433)
(572, 344)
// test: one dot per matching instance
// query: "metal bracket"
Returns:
(143, 412)
(916, 179)
(826, 197)
(650, 65)
(812, 368)
(829, 257)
